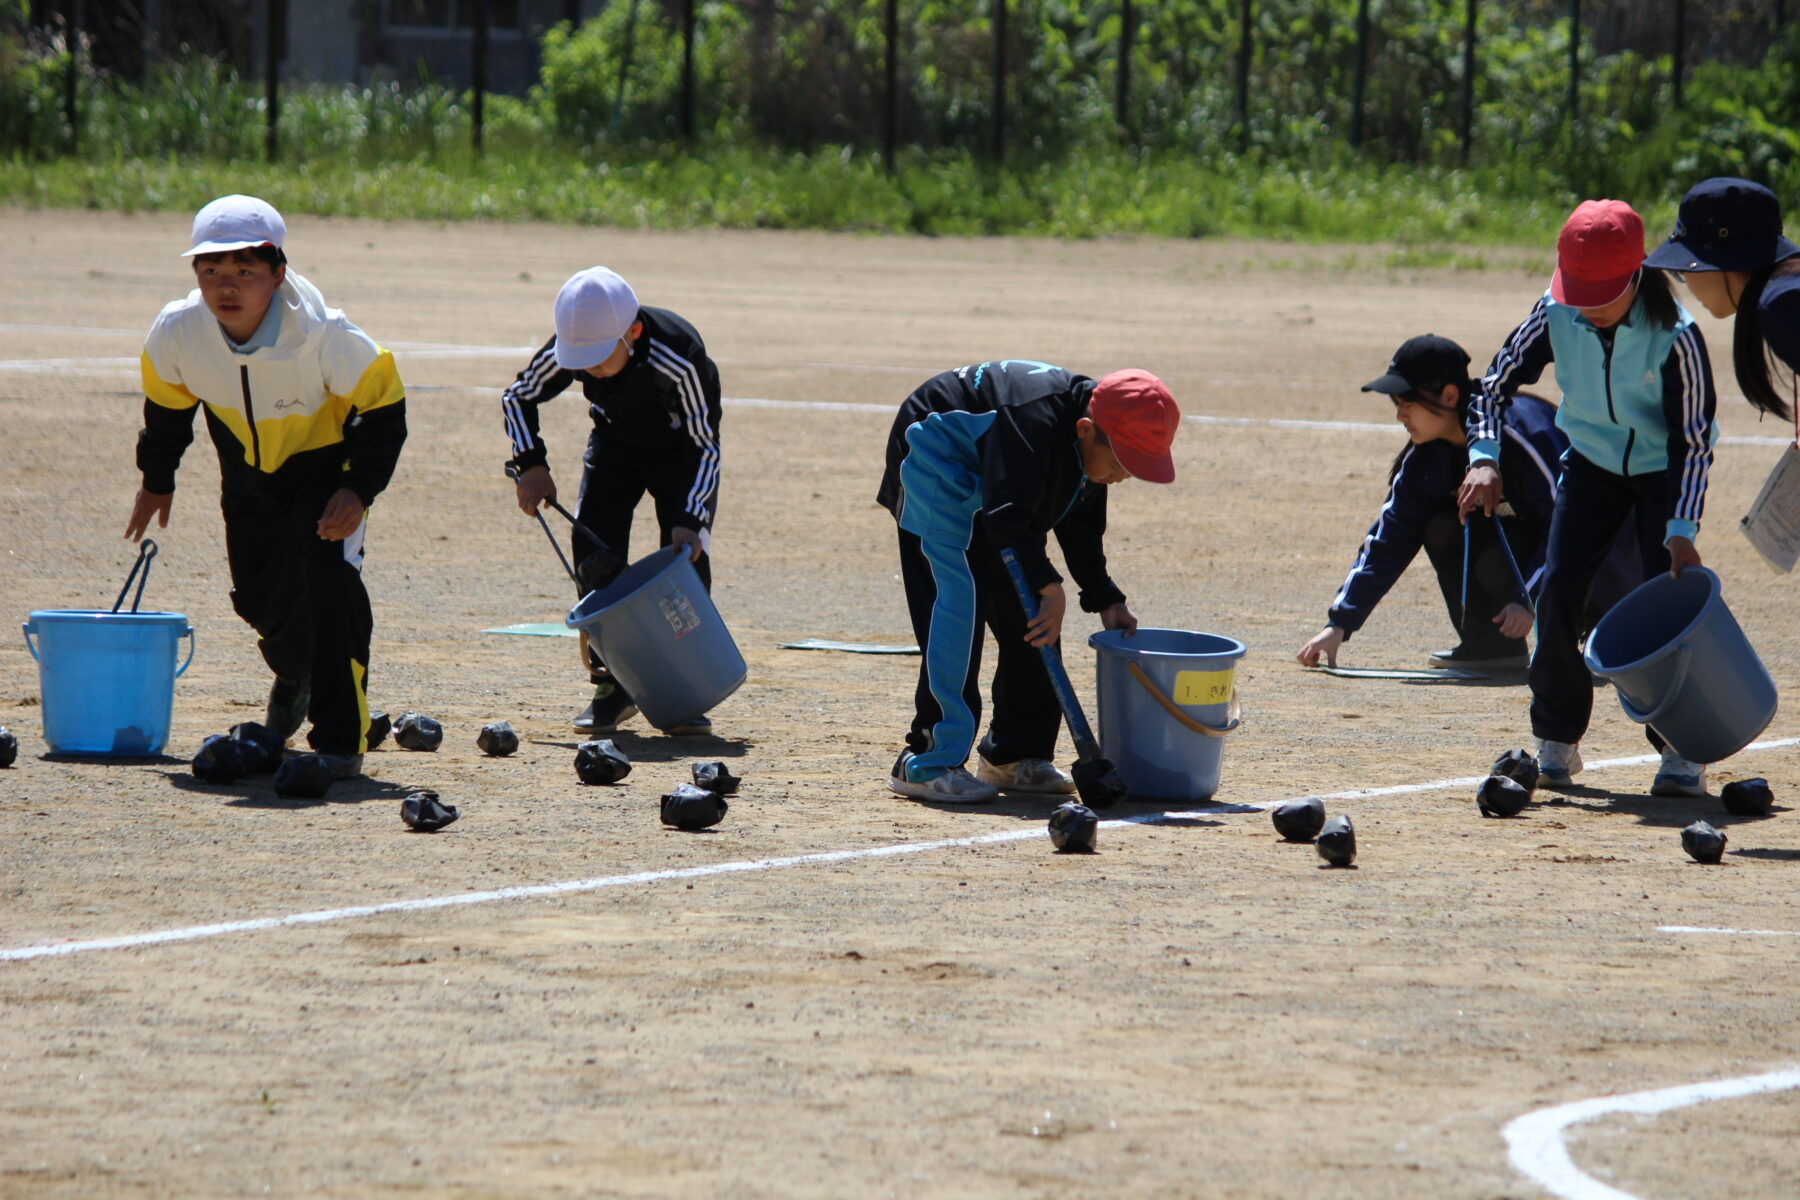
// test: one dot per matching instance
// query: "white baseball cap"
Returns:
(236, 223)
(594, 311)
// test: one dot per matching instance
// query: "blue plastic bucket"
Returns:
(107, 679)
(1168, 697)
(1683, 666)
(659, 634)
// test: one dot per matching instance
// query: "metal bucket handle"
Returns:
(1683, 653)
(1235, 713)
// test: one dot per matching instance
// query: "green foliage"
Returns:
(618, 76)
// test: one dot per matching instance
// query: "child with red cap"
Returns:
(1638, 408)
(991, 457)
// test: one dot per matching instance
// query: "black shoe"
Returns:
(1507, 654)
(288, 701)
(610, 706)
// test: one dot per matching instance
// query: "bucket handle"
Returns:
(187, 633)
(29, 644)
(1682, 655)
(1236, 713)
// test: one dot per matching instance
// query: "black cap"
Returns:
(1725, 224)
(1425, 359)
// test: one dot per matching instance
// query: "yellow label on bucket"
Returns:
(1203, 687)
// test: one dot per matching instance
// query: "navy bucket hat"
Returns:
(1725, 224)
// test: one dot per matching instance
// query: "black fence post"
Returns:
(1243, 75)
(1127, 30)
(1468, 81)
(1360, 80)
(1678, 67)
(687, 70)
(71, 83)
(478, 55)
(998, 147)
(1574, 65)
(890, 100)
(273, 13)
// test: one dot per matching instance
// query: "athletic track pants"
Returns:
(951, 593)
(1592, 504)
(304, 596)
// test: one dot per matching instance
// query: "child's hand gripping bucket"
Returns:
(1168, 697)
(659, 634)
(107, 679)
(1683, 666)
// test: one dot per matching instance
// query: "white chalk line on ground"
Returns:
(1729, 932)
(439, 350)
(569, 887)
(1535, 1141)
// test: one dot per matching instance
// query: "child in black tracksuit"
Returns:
(654, 397)
(990, 457)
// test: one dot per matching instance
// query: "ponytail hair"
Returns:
(1659, 302)
(1749, 354)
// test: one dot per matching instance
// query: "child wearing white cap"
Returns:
(653, 394)
(308, 416)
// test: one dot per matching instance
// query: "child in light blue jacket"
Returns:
(1637, 408)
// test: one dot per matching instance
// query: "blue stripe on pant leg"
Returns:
(949, 653)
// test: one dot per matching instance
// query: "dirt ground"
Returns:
(1197, 1011)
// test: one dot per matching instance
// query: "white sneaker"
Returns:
(1026, 775)
(1678, 777)
(1558, 763)
(955, 786)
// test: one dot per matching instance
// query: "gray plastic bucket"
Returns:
(1168, 697)
(659, 634)
(1683, 666)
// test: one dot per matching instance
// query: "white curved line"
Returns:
(1535, 1140)
(1736, 932)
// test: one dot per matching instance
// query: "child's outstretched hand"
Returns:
(147, 505)
(1045, 628)
(1514, 620)
(1118, 616)
(1480, 489)
(1324, 645)
(343, 513)
(1682, 555)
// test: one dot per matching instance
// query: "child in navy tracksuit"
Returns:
(1729, 251)
(990, 457)
(1428, 381)
(1638, 409)
(653, 394)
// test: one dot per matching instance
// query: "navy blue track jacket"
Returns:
(667, 397)
(995, 443)
(1428, 479)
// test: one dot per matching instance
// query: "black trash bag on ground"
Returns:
(1073, 827)
(380, 725)
(715, 778)
(416, 731)
(264, 741)
(224, 760)
(304, 776)
(9, 747)
(1501, 796)
(1336, 842)
(1520, 766)
(600, 762)
(689, 807)
(497, 740)
(1747, 797)
(1299, 820)
(1703, 843)
(424, 812)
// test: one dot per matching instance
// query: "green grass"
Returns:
(1439, 218)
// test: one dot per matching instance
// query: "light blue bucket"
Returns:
(659, 634)
(107, 679)
(1168, 697)
(1683, 666)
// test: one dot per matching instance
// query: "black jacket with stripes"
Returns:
(666, 398)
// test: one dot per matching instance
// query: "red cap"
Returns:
(1598, 253)
(1138, 416)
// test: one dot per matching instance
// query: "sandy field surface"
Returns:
(838, 992)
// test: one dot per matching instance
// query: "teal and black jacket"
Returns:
(994, 444)
(1637, 399)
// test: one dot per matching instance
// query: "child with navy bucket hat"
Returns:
(1728, 249)
(1638, 409)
